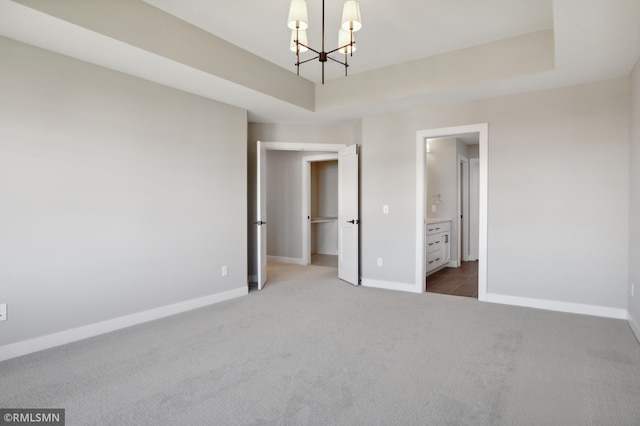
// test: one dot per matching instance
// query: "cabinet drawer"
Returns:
(435, 260)
(433, 242)
(438, 240)
(435, 228)
(431, 260)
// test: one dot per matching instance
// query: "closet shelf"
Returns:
(323, 219)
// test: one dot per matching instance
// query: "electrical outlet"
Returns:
(225, 271)
(433, 208)
(380, 262)
(3, 312)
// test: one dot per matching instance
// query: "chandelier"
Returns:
(299, 22)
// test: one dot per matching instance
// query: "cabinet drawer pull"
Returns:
(437, 259)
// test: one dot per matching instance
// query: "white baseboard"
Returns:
(552, 305)
(389, 285)
(453, 264)
(68, 336)
(292, 260)
(634, 326)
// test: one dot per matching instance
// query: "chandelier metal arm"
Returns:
(340, 62)
(304, 45)
(307, 60)
(336, 49)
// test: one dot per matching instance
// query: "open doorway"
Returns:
(320, 210)
(442, 220)
(449, 268)
(274, 191)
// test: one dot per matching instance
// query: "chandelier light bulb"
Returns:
(344, 39)
(302, 38)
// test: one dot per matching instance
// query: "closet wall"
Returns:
(285, 209)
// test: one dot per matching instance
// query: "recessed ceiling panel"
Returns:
(392, 33)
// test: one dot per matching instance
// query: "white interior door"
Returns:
(348, 220)
(261, 219)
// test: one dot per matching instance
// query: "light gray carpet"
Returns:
(310, 349)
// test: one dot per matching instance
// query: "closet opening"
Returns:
(320, 207)
(305, 182)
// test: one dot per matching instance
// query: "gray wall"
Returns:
(284, 203)
(634, 211)
(116, 195)
(473, 151)
(344, 134)
(441, 176)
(558, 192)
(324, 188)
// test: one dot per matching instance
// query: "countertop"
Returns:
(431, 220)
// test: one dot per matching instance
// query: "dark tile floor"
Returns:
(462, 281)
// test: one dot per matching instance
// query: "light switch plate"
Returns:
(385, 209)
(3, 312)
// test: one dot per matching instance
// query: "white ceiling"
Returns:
(392, 32)
(593, 40)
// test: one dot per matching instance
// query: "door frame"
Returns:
(474, 174)
(306, 200)
(463, 209)
(421, 141)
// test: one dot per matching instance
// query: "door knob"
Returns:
(354, 221)
(259, 222)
